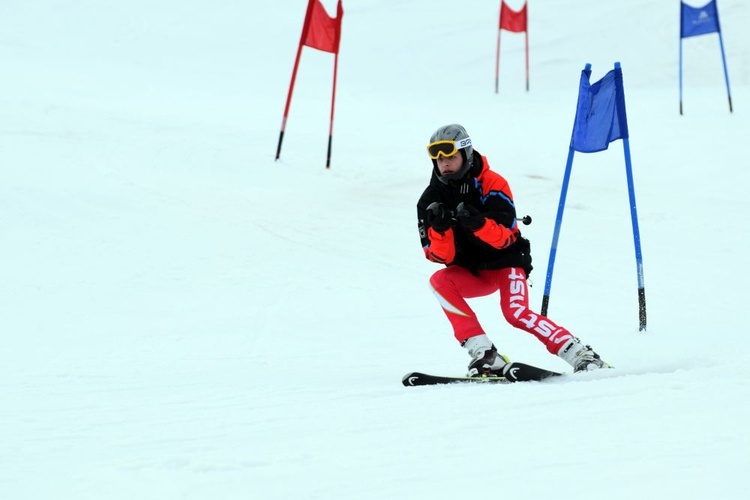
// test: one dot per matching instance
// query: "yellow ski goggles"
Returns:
(447, 148)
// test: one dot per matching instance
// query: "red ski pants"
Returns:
(452, 285)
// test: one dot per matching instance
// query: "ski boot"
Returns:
(581, 357)
(487, 361)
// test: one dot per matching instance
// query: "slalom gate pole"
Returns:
(527, 51)
(302, 38)
(680, 75)
(726, 73)
(633, 214)
(497, 59)
(556, 235)
(333, 101)
(636, 238)
(289, 99)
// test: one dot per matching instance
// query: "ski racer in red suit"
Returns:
(467, 221)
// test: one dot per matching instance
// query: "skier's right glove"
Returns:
(438, 217)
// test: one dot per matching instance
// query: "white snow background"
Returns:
(185, 318)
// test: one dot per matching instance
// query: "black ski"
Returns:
(416, 378)
(514, 372)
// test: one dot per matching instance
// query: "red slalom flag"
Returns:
(323, 32)
(515, 22)
(511, 20)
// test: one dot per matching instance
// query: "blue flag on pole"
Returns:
(600, 115)
(699, 20)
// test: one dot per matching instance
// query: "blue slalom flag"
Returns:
(699, 20)
(600, 119)
(696, 21)
(600, 115)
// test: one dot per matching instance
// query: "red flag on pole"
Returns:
(323, 32)
(515, 22)
(511, 20)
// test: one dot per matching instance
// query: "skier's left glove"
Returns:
(469, 217)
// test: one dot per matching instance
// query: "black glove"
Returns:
(524, 249)
(469, 217)
(438, 217)
(505, 218)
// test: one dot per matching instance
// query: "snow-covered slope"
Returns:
(183, 317)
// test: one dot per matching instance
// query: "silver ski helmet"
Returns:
(461, 141)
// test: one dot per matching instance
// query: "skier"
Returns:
(467, 221)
